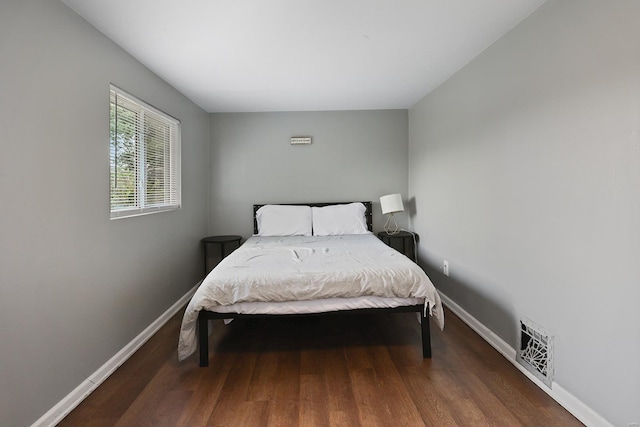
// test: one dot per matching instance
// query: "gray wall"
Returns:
(355, 155)
(76, 287)
(525, 169)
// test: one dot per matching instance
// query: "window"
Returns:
(144, 157)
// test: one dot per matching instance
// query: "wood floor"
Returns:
(331, 371)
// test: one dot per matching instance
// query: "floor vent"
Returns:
(535, 351)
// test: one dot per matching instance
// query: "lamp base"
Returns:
(391, 226)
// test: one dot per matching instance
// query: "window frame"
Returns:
(172, 191)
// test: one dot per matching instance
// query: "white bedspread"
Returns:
(282, 269)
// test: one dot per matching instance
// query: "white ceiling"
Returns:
(303, 55)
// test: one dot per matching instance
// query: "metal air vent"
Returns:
(535, 351)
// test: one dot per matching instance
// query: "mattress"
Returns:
(315, 306)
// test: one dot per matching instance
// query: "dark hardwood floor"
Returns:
(322, 371)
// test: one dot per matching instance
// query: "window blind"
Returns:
(144, 157)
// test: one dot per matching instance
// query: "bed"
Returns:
(309, 259)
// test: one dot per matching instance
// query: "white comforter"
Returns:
(282, 269)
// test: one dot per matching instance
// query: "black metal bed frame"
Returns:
(204, 316)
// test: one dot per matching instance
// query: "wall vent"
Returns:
(535, 351)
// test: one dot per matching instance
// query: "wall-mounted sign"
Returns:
(300, 140)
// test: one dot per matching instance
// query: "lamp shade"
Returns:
(391, 203)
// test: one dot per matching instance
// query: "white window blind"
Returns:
(144, 157)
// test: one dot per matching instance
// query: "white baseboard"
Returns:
(578, 409)
(73, 399)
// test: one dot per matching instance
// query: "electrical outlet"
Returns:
(445, 267)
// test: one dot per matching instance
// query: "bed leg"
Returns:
(426, 333)
(203, 339)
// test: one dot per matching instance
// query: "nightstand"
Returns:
(216, 248)
(403, 242)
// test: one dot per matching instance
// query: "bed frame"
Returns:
(204, 315)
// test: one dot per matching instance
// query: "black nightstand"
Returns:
(224, 245)
(403, 242)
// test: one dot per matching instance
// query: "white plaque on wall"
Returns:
(300, 140)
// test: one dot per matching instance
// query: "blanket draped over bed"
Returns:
(299, 268)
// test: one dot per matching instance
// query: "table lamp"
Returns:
(390, 204)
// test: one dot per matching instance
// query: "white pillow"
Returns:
(284, 220)
(339, 219)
